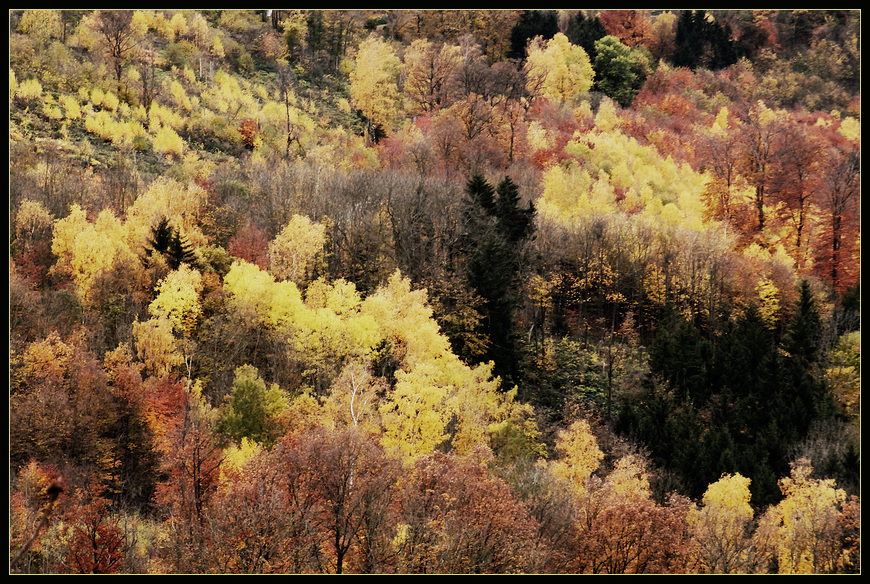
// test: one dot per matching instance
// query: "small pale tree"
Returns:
(293, 252)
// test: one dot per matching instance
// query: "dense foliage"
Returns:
(434, 291)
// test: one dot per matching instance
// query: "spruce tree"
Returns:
(809, 395)
(680, 357)
(532, 23)
(688, 40)
(168, 242)
(702, 43)
(490, 251)
(515, 224)
(584, 31)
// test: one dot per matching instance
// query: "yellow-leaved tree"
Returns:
(803, 530)
(381, 363)
(293, 252)
(166, 340)
(719, 526)
(580, 455)
(86, 250)
(178, 299)
(374, 88)
(433, 386)
(156, 346)
(558, 70)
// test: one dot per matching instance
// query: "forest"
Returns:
(434, 291)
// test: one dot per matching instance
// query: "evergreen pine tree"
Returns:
(724, 48)
(680, 357)
(703, 43)
(688, 39)
(515, 224)
(532, 23)
(481, 193)
(584, 31)
(166, 241)
(809, 396)
(490, 250)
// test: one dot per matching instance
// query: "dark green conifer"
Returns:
(166, 241)
(532, 23)
(515, 223)
(490, 251)
(583, 31)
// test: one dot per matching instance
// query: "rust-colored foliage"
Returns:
(692, 163)
(621, 534)
(340, 487)
(250, 244)
(458, 518)
(632, 27)
(96, 540)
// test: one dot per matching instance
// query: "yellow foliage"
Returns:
(32, 220)
(612, 173)
(565, 194)
(558, 70)
(850, 128)
(720, 125)
(228, 94)
(374, 88)
(108, 127)
(329, 333)
(110, 101)
(235, 457)
(536, 137)
(629, 478)
(433, 385)
(606, 119)
(167, 142)
(806, 522)
(85, 249)
(179, 95)
(166, 198)
(52, 111)
(160, 116)
(730, 492)
(41, 25)
(293, 251)
(156, 346)
(844, 374)
(719, 527)
(415, 415)
(29, 89)
(768, 295)
(72, 109)
(580, 454)
(276, 305)
(404, 315)
(177, 26)
(481, 409)
(334, 326)
(304, 412)
(97, 95)
(178, 298)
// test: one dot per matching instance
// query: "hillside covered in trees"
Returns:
(434, 291)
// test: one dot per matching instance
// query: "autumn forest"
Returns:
(434, 291)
